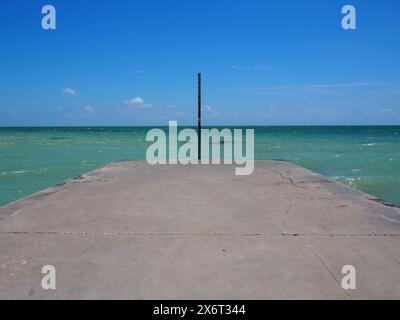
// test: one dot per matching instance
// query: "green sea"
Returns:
(364, 157)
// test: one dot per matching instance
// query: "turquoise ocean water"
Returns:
(366, 158)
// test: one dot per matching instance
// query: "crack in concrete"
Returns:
(332, 235)
(291, 181)
(83, 233)
(330, 272)
(286, 216)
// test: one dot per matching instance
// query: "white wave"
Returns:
(369, 144)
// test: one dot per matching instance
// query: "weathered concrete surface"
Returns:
(134, 231)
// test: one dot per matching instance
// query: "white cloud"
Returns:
(318, 86)
(208, 109)
(12, 113)
(258, 67)
(70, 91)
(89, 109)
(138, 102)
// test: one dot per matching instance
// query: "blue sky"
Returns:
(286, 62)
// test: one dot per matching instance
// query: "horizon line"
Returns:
(210, 125)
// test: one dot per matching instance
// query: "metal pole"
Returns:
(199, 116)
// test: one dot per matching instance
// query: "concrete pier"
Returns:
(134, 231)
